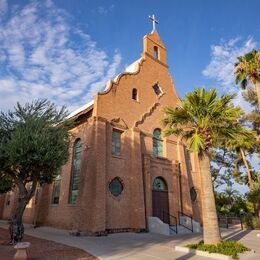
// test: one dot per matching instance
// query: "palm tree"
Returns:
(247, 70)
(242, 144)
(205, 121)
(254, 196)
(231, 195)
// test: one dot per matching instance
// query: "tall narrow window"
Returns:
(157, 143)
(74, 185)
(56, 190)
(155, 52)
(134, 94)
(116, 142)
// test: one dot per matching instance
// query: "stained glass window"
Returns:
(157, 143)
(74, 186)
(159, 184)
(116, 187)
(116, 142)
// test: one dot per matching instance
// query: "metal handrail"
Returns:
(180, 213)
(171, 225)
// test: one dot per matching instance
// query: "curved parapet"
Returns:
(132, 69)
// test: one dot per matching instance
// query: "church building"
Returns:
(121, 171)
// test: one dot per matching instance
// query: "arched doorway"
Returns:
(160, 199)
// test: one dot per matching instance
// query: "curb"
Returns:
(202, 253)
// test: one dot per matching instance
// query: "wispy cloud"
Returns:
(105, 10)
(43, 56)
(221, 66)
(3, 7)
(223, 58)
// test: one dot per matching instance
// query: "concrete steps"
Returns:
(180, 230)
(156, 226)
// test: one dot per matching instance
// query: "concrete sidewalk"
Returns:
(139, 246)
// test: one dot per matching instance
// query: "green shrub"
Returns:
(256, 223)
(251, 222)
(231, 248)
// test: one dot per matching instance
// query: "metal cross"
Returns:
(154, 21)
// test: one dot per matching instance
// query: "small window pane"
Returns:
(155, 52)
(157, 89)
(116, 142)
(115, 187)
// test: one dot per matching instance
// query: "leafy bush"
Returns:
(231, 248)
(256, 223)
(250, 222)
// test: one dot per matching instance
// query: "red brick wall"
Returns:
(96, 209)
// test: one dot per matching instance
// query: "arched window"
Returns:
(157, 143)
(159, 184)
(155, 52)
(75, 174)
(134, 94)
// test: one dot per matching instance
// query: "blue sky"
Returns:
(66, 50)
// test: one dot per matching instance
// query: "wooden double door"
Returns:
(160, 201)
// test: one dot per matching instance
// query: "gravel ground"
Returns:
(41, 249)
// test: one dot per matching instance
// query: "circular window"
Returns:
(116, 187)
(193, 194)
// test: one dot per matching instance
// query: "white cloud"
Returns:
(223, 58)
(3, 7)
(221, 66)
(43, 56)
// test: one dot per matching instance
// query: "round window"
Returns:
(116, 187)
(193, 194)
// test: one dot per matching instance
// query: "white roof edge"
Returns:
(77, 111)
(132, 68)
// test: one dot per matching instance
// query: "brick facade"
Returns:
(96, 210)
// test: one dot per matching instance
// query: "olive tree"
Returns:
(34, 141)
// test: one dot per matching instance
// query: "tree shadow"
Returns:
(237, 235)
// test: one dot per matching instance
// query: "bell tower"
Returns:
(153, 46)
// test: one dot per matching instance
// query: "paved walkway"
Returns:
(140, 246)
